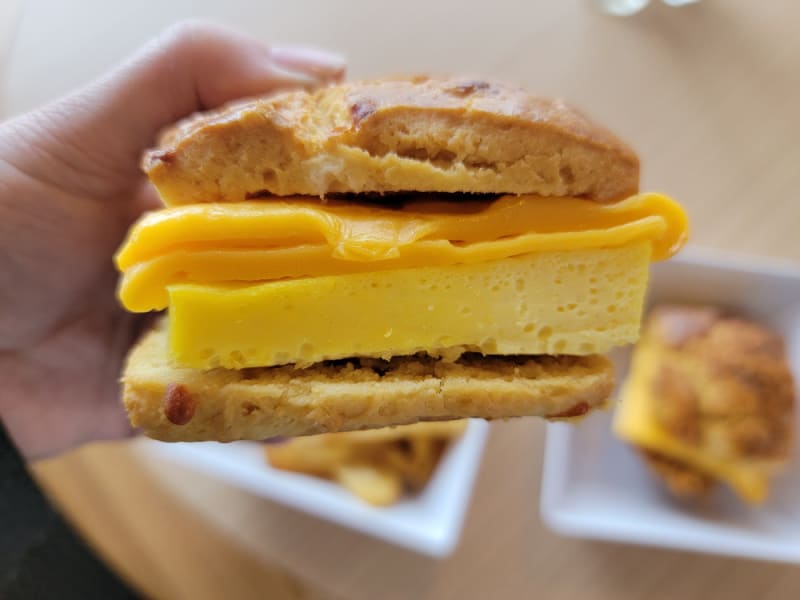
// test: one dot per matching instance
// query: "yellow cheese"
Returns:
(634, 422)
(555, 302)
(296, 238)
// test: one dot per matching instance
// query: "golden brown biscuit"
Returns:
(180, 404)
(417, 134)
(716, 394)
(727, 386)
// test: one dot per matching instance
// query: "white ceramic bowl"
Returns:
(594, 486)
(429, 522)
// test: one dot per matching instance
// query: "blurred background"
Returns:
(707, 94)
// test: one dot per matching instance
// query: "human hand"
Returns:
(70, 186)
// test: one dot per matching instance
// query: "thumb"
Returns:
(196, 66)
(100, 131)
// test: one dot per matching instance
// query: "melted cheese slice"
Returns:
(300, 238)
(635, 422)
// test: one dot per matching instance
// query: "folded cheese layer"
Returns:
(558, 302)
(301, 237)
(636, 422)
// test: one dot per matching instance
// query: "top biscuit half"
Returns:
(383, 136)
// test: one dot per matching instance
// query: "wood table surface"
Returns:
(709, 96)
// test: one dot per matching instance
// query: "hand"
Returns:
(70, 186)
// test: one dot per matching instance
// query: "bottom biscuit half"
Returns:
(172, 403)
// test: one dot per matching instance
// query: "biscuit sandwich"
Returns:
(385, 252)
(709, 399)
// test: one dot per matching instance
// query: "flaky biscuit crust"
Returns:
(393, 135)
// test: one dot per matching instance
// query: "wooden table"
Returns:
(708, 94)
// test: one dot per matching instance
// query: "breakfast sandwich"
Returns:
(382, 253)
(710, 398)
(377, 465)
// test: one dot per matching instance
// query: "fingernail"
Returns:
(315, 61)
(283, 77)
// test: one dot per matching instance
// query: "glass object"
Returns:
(625, 8)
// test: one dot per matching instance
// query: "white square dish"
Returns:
(594, 486)
(429, 522)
